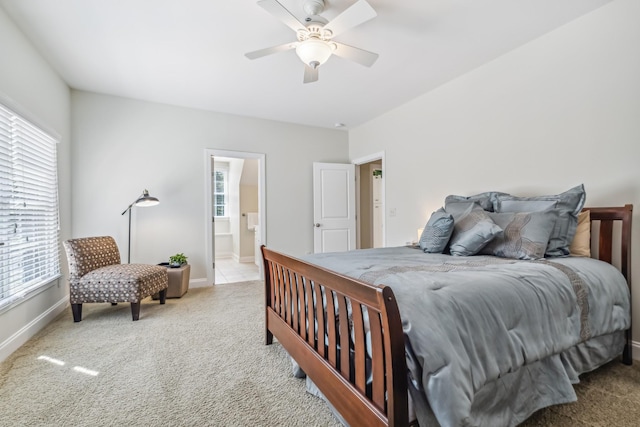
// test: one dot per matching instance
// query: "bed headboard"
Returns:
(611, 242)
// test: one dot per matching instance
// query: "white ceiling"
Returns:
(191, 52)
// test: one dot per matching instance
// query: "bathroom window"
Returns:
(220, 191)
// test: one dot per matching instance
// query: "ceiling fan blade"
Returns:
(355, 15)
(355, 54)
(310, 74)
(270, 50)
(280, 12)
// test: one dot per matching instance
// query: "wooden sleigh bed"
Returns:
(368, 384)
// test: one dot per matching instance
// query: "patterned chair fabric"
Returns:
(96, 275)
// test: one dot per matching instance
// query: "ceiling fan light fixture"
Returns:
(314, 52)
(315, 45)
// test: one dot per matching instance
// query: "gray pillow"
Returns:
(472, 231)
(525, 235)
(437, 232)
(485, 200)
(569, 204)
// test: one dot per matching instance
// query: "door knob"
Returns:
(317, 224)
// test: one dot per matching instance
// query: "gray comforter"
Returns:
(491, 340)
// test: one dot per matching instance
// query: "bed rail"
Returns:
(614, 246)
(315, 314)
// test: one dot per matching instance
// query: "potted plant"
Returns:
(177, 260)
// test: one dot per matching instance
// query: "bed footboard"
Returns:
(345, 334)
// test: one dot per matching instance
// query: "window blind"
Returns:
(29, 225)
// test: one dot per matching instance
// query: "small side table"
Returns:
(178, 281)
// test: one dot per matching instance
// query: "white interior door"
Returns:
(334, 212)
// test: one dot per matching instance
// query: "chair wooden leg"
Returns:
(163, 295)
(76, 309)
(114, 303)
(135, 310)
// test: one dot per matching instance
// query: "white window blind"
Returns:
(29, 226)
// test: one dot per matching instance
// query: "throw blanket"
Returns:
(472, 321)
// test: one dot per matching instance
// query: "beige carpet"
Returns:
(200, 361)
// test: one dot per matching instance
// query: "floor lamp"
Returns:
(144, 200)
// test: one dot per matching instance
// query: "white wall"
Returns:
(29, 84)
(122, 146)
(559, 111)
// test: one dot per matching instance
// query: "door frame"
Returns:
(374, 157)
(209, 227)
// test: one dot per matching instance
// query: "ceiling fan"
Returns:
(315, 43)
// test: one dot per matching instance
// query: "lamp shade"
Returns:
(146, 200)
(314, 52)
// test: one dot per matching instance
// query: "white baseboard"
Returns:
(199, 283)
(23, 335)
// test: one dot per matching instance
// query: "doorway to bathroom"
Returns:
(235, 215)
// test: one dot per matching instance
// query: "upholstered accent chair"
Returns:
(96, 275)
